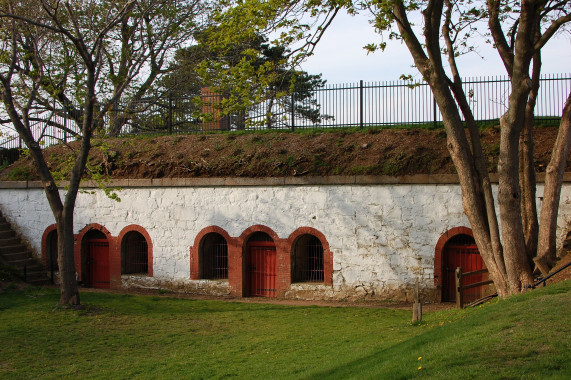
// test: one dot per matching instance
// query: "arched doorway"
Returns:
(461, 251)
(261, 268)
(95, 260)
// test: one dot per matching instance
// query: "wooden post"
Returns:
(417, 307)
(459, 290)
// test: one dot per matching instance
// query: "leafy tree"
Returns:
(447, 29)
(273, 83)
(141, 47)
(61, 57)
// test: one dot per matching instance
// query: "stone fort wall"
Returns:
(379, 233)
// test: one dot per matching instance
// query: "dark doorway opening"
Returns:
(213, 257)
(307, 259)
(134, 254)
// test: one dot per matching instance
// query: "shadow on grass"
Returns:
(506, 339)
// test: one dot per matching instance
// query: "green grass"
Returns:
(127, 336)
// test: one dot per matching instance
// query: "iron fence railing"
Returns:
(374, 105)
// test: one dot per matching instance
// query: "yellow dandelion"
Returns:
(420, 358)
(419, 368)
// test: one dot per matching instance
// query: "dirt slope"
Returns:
(376, 152)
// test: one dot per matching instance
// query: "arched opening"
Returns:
(307, 259)
(134, 254)
(51, 254)
(213, 257)
(461, 251)
(261, 268)
(95, 260)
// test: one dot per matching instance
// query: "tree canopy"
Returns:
(255, 79)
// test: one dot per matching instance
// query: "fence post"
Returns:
(169, 119)
(361, 105)
(459, 290)
(65, 125)
(292, 111)
(417, 306)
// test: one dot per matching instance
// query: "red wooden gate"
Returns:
(261, 271)
(461, 252)
(98, 263)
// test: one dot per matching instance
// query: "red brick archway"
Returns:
(45, 243)
(114, 254)
(282, 261)
(237, 256)
(440, 248)
(142, 231)
(234, 257)
(49, 251)
(327, 254)
(470, 251)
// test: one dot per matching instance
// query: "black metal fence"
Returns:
(362, 104)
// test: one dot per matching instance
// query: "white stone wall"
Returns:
(382, 236)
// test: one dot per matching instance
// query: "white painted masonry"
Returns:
(382, 235)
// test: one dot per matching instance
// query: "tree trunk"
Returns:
(517, 60)
(117, 120)
(528, 181)
(269, 105)
(473, 191)
(509, 190)
(473, 198)
(552, 190)
(69, 293)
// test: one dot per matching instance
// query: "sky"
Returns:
(340, 56)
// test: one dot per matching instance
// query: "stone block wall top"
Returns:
(417, 179)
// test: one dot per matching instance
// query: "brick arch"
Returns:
(327, 254)
(283, 264)
(90, 227)
(142, 231)
(45, 235)
(257, 228)
(195, 254)
(114, 253)
(438, 250)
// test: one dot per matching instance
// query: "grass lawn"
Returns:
(127, 336)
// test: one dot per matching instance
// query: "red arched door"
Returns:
(97, 255)
(461, 251)
(261, 268)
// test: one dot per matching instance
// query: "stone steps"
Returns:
(14, 253)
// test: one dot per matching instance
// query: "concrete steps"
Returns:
(14, 253)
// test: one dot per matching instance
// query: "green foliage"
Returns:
(245, 72)
(19, 174)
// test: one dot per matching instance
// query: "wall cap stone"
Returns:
(417, 179)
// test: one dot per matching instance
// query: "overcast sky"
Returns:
(340, 56)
